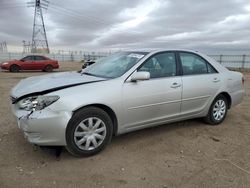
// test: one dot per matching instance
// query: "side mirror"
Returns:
(90, 62)
(22, 60)
(84, 66)
(143, 75)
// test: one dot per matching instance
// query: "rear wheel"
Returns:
(48, 68)
(14, 68)
(88, 132)
(217, 111)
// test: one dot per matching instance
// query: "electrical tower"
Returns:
(39, 42)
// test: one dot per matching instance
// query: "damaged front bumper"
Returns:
(44, 127)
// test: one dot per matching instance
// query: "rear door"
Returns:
(200, 81)
(39, 62)
(157, 99)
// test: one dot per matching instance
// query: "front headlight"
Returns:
(35, 103)
(5, 63)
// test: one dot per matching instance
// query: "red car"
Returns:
(31, 62)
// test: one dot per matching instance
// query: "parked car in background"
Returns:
(121, 93)
(31, 62)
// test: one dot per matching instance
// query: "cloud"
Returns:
(211, 26)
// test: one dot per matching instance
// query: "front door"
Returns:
(27, 63)
(155, 100)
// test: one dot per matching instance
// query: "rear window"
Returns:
(194, 64)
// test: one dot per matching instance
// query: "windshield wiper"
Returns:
(90, 74)
(87, 73)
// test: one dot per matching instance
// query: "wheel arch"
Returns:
(15, 64)
(108, 110)
(228, 97)
(48, 64)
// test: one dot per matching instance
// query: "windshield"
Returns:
(114, 65)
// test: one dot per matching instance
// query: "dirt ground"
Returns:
(185, 154)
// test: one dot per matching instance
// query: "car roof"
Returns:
(160, 50)
(36, 55)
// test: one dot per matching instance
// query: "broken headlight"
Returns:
(37, 102)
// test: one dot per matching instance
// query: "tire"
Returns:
(48, 68)
(81, 139)
(221, 104)
(14, 68)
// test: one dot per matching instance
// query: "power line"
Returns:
(11, 3)
(82, 20)
(73, 12)
(71, 15)
(12, 6)
(39, 38)
(81, 16)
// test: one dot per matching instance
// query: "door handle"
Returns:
(216, 80)
(175, 85)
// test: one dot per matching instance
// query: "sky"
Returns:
(214, 26)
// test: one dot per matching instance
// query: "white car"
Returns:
(124, 92)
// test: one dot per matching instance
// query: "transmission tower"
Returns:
(39, 39)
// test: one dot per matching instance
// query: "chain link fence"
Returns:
(62, 56)
(233, 61)
(241, 62)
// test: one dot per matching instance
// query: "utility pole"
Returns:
(39, 38)
(3, 47)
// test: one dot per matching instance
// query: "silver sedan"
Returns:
(124, 92)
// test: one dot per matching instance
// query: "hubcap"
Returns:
(219, 110)
(90, 133)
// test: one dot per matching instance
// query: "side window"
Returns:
(39, 58)
(160, 65)
(193, 64)
(27, 58)
(211, 69)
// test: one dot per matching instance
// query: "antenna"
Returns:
(39, 42)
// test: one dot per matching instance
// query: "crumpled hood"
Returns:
(53, 82)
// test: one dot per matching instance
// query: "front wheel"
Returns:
(217, 111)
(88, 132)
(14, 68)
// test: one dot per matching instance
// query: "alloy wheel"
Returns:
(90, 133)
(219, 110)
